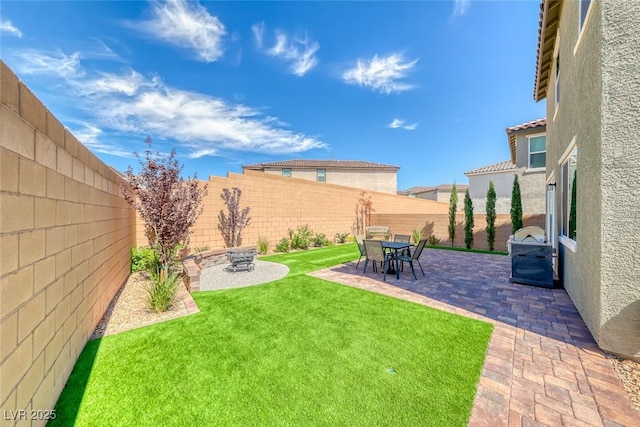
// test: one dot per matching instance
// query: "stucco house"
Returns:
(588, 70)
(350, 173)
(527, 144)
(440, 193)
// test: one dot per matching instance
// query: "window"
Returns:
(584, 8)
(569, 193)
(286, 172)
(557, 82)
(537, 151)
(321, 175)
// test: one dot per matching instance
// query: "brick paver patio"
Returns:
(543, 367)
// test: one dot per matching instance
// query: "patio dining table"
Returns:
(395, 247)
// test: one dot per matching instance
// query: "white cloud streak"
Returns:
(132, 103)
(186, 25)
(460, 7)
(401, 124)
(299, 53)
(381, 74)
(54, 63)
(258, 33)
(7, 27)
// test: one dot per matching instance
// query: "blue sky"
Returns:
(426, 86)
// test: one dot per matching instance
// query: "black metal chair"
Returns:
(403, 238)
(376, 253)
(414, 257)
(360, 242)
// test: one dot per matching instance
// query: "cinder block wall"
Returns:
(281, 203)
(65, 239)
(438, 225)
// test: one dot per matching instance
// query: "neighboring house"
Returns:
(527, 143)
(441, 193)
(587, 69)
(350, 173)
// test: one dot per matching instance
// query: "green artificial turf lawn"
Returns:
(298, 351)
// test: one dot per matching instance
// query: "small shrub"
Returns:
(144, 258)
(263, 245)
(203, 248)
(433, 240)
(283, 245)
(302, 238)
(342, 237)
(319, 240)
(416, 236)
(162, 291)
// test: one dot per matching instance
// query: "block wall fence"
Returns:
(280, 203)
(65, 239)
(438, 225)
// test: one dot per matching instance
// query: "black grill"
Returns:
(531, 257)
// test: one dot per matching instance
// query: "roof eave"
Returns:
(550, 17)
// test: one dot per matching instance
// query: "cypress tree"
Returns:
(468, 219)
(572, 209)
(491, 215)
(516, 206)
(453, 206)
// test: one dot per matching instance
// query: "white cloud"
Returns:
(258, 33)
(203, 124)
(460, 7)
(131, 104)
(187, 25)
(382, 74)
(89, 135)
(8, 27)
(299, 53)
(56, 63)
(401, 124)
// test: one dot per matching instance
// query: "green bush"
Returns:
(319, 240)
(342, 237)
(162, 291)
(283, 245)
(416, 235)
(144, 258)
(302, 238)
(433, 241)
(203, 248)
(263, 245)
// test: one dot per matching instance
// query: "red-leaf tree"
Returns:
(168, 203)
(231, 224)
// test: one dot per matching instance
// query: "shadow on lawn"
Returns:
(68, 404)
(479, 283)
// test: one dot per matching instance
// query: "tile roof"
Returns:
(442, 187)
(328, 164)
(528, 125)
(505, 166)
(511, 133)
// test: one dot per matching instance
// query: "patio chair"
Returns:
(403, 238)
(375, 253)
(414, 257)
(360, 242)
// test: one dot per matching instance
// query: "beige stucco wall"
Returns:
(384, 181)
(600, 92)
(65, 239)
(620, 169)
(479, 185)
(280, 203)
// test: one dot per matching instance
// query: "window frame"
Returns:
(324, 175)
(529, 152)
(571, 153)
(284, 172)
(583, 22)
